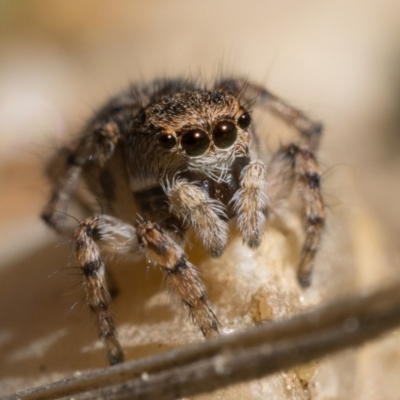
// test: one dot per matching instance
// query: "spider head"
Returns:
(197, 130)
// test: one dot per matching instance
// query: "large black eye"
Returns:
(244, 120)
(224, 134)
(195, 142)
(167, 141)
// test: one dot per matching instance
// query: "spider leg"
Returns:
(310, 131)
(181, 275)
(294, 164)
(111, 234)
(250, 203)
(206, 215)
(96, 145)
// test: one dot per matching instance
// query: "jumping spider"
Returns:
(179, 156)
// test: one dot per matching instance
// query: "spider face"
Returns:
(200, 131)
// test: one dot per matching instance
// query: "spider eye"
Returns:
(224, 134)
(167, 141)
(244, 120)
(195, 142)
(143, 117)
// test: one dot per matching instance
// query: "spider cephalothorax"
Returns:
(179, 157)
(202, 131)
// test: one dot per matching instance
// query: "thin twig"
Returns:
(239, 357)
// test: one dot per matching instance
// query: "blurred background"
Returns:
(338, 60)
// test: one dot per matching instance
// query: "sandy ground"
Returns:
(338, 62)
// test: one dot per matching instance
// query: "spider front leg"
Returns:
(206, 215)
(250, 202)
(292, 164)
(181, 275)
(113, 235)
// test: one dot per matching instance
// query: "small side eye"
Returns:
(224, 134)
(167, 141)
(143, 117)
(195, 142)
(244, 120)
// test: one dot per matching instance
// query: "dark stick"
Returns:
(239, 357)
